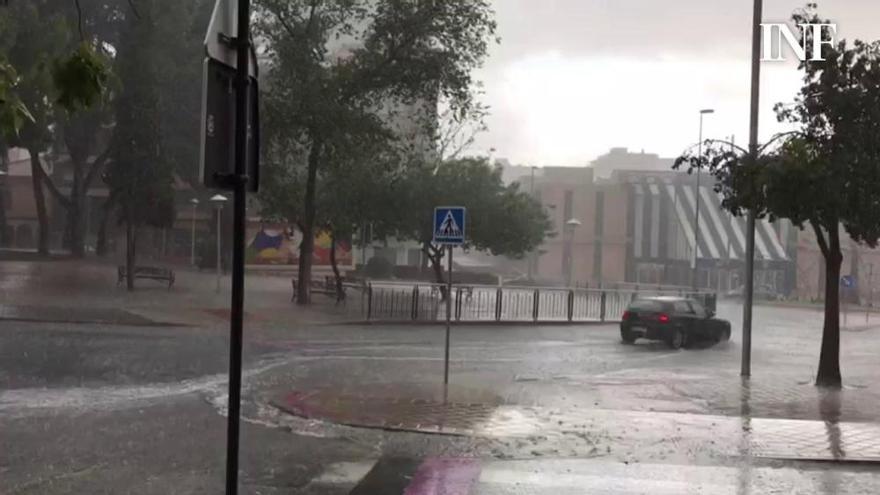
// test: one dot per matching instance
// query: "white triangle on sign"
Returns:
(449, 227)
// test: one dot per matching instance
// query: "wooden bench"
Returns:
(326, 287)
(147, 272)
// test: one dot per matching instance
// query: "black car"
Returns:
(674, 320)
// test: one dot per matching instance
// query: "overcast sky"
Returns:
(573, 78)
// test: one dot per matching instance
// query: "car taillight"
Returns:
(663, 318)
(626, 315)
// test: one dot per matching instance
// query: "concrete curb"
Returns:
(152, 324)
(492, 323)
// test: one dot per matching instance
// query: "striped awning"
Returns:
(721, 235)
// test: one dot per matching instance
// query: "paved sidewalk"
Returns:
(469, 476)
(67, 287)
(762, 418)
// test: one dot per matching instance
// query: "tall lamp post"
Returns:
(754, 102)
(570, 225)
(703, 112)
(218, 200)
(192, 244)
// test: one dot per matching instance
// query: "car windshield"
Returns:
(436, 247)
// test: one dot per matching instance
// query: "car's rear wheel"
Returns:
(627, 337)
(677, 339)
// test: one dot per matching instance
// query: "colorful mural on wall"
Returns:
(278, 244)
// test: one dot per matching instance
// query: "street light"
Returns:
(754, 106)
(218, 200)
(570, 225)
(697, 195)
(195, 203)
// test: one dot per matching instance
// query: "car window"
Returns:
(646, 305)
(682, 307)
(697, 308)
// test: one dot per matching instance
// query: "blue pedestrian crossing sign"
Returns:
(449, 225)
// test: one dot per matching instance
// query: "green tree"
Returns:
(501, 220)
(35, 35)
(352, 189)
(342, 69)
(139, 177)
(61, 76)
(825, 175)
(179, 51)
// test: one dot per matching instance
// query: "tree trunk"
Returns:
(76, 225)
(340, 290)
(40, 200)
(130, 243)
(829, 356)
(101, 247)
(307, 247)
(435, 256)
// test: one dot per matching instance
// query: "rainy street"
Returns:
(133, 406)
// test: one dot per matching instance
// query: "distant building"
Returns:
(628, 218)
(19, 208)
(621, 159)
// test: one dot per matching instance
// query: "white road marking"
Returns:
(601, 477)
(344, 473)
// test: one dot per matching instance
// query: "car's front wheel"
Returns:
(677, 339)
(722, 335)
(627, 337)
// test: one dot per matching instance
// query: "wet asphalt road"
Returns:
(114, 409)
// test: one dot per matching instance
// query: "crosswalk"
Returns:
(467, 476)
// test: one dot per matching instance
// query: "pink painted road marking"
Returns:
(444, 476)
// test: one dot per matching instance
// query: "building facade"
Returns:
(640, 227)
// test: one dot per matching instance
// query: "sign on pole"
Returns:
(449, 229)
(230, 134)
(217, 156)
(449, 225)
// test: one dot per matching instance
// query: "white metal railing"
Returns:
(424, 301)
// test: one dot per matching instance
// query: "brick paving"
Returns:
(717, 435)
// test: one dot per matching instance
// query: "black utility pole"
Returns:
(240, 179)
(746, 369)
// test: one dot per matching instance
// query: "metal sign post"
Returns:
(230, 110)
(448, 318)
(449, 225)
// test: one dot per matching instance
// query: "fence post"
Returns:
(536, 304)
(602, 307)
(415, 303)
(369, 301)
(499, 296)
(458, 304)
(570, 305)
